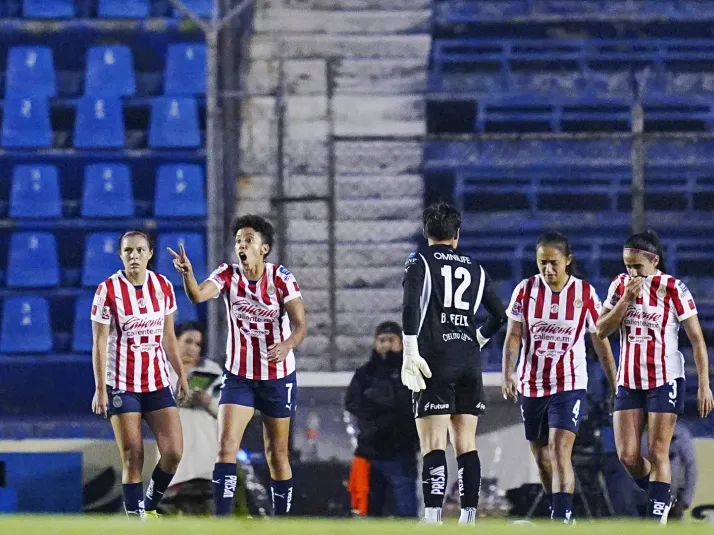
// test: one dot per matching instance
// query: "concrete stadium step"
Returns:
(349, 4)
(357, 210)
(380, 116)
(350, 278)
(295, 21)
(266, 46)
(357, 300)
(309, 232)
(350, 255)
(378, 157)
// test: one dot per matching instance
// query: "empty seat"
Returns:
(26, 123)
(107, 191)
(25, 325)
(110, 72)
(82, 327)
(35, 192)
(99, 123)
(48, 9)
(123, 9)
(195, 249)
(101, 258)
(174, 123)
(201, 8)
(30, 72)
(186, 310)
(179, 191)
(32, 260)
(185, 70)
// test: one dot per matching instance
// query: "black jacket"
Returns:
(383, 408)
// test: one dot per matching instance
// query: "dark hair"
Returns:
(555, 239)
(186, 326)
(650, 242)
(441, 221)
(259, 224)
(136, 232)
(388, 327)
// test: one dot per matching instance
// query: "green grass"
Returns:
(66, 525)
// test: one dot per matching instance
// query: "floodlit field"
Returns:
(46, 525)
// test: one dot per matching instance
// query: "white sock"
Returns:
(432, 515)
(468, 516)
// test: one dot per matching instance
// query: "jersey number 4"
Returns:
(456, 298)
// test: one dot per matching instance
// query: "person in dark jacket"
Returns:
(385, 466)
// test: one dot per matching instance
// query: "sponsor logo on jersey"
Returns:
(435, 406)
(447, 337)
(638, 338)
(549, 353)
(452, 257)
(517, 309)
(147, 347)
(253, 312)
(254, 333)
(691, 304)
(284, 272)
(544, 327)
(106, 313)
(637, 318)
(683, 288)
(137, 326)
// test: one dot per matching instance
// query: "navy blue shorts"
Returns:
(122, 402)
(563, 410)
(665, 398)
(276, 398)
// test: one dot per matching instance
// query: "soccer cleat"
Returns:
(151, 515)
(665, 513)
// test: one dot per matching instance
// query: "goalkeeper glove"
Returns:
(414, 367)
(480, 339)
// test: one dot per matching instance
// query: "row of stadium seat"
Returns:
(109, 71)
(174, 123)
(27, 326)
(116, 9)
(33, 259)
(107, 192)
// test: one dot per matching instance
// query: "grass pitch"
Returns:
(79, 525)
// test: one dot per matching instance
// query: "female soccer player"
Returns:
(548, 317)
(133, 331)
(647, 306)
(266, 320)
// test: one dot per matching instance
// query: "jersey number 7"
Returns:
(462, 274)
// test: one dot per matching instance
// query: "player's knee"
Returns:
(658, 455)
(629, 457)
(171, 458)
(132, 460)
(543, 460)
(559, 453)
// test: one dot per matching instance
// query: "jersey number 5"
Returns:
(457, 298)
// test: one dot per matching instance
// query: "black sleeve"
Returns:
(414, 274)
(496, 311)
(355, 401)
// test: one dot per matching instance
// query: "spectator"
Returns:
(385, 464)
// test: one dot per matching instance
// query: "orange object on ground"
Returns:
(359, 485)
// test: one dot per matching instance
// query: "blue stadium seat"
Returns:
(179, 191)
(107, 191)
(101, 258)
(48, 9)
(30, 72)
(185, 70)
(99, 123)
(82, 327)
(35, 192)
(186, 309)
(110, 72)
(174, 123)
(25, 325)
(32, 260)
(195, 249)
(123, 9)
(26, 123)
(201, 8)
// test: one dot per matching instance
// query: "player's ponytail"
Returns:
(559, 241)
(649, 242)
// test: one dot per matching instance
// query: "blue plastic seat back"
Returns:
(185, 69)
(30, 72)
(201, 8)
(101, 258)
(107, 191)
(48, 9)
(26, 123)
(26, 326)
(99, 123)
(110, 72)
(35, 192)
(174, 123)
(82, 326)
(180, 191)
(187, 311)
(32, 260)
(123, 9)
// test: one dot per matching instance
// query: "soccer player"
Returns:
(647, 305)
(443, 289)
(548, 317)
(133, 331)
(266, 320)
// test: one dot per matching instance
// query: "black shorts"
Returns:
(563, 410)
(666, 398)
(122, 402)
(451, 392)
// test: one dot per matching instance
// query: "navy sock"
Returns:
(225, 480)
(657, 499)
(282, 492)
(133, 499)
(160, 481)
(562, 507)
(434, 478)
(643, 482)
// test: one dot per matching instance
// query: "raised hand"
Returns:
(181, 261)
(633, 289)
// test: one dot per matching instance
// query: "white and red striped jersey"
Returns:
(136, 361)
(649, 334)
(256, 319)
(552, 356)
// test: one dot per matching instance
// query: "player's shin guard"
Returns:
(434, 484)
(225, 481)
(562, 509)
(160, 481)
(658, 501)
(469, 485)
(282, 492)
(133, 499)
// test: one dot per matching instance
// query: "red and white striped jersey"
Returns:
(649, 334)
(136, 361)
(256, 319)
(552, 356)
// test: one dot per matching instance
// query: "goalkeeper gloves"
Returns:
(480, 339)
(414, 367)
